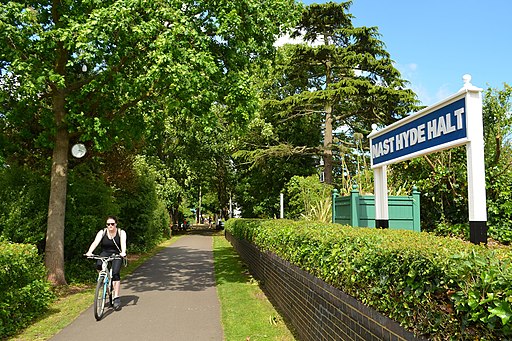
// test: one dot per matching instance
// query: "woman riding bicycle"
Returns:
(113, 241)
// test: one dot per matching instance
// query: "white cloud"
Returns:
(422, 93)
(408, 71)
(286, 39)
(412, 67)
(426, 97)
(442, 92)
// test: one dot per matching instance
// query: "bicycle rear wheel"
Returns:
(99, 298)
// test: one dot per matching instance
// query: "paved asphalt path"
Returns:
(172, 296)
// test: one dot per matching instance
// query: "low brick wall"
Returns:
(317, 310)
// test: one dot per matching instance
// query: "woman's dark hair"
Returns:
(112, 217)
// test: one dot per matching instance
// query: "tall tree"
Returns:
(346, 74)
(91, 71)
(278, 145)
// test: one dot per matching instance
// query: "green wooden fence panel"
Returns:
(359, 210)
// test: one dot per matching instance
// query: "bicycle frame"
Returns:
(105, 272)
(104, 284)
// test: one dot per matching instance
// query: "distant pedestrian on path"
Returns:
(113, 241)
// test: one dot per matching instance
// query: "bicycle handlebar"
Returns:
(107, 258)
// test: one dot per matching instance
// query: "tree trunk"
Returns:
(54, 251)
(174, 211)
(328, 128)
(328, 145)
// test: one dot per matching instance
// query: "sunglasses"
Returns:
(113, 224)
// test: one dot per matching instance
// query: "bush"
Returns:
(89, 202)
(24, 292)
(460, 231)
(143, 215)
(23, 214)
(305, 196)
(436, 287)
(499, 204)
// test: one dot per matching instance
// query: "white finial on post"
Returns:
(467, 79)
(467, 83)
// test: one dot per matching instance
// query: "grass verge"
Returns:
(73, 300)
(246, 312)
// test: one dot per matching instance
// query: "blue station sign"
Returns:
(434, 128)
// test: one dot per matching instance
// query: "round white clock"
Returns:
(78, 150)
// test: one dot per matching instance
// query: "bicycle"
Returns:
(104, 284)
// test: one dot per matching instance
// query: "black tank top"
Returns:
(108, 245)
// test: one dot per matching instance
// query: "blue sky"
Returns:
(434, 43)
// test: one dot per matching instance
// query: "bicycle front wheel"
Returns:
(99, 298)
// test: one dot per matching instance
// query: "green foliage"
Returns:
(276, 146)
(23, 213)
(307, 88)
(306, 197)
(442, 180)
(437, 287)
(105, 73)
(23, 216)
(497, 108)
(460, 231)
(142, 214)
(345, 73)
(354, 164)
(24, 292)
(349, 70)
(89, 202)
(321, 211)
(484, 295)
(161, 221)
(126, 65)
(259, 188)
(167, 187)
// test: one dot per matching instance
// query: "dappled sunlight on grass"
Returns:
(228, 266)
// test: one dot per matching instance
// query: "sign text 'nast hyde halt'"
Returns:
(421, 133)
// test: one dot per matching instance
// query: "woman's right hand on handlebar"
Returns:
(88, 254)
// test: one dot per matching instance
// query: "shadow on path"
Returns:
(172, 296)
(177, 268)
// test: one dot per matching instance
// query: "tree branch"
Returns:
(429, 162)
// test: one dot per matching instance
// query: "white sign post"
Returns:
(281, 205)
(455, 121)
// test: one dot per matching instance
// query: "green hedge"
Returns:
(431, 285)
(24, 292)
